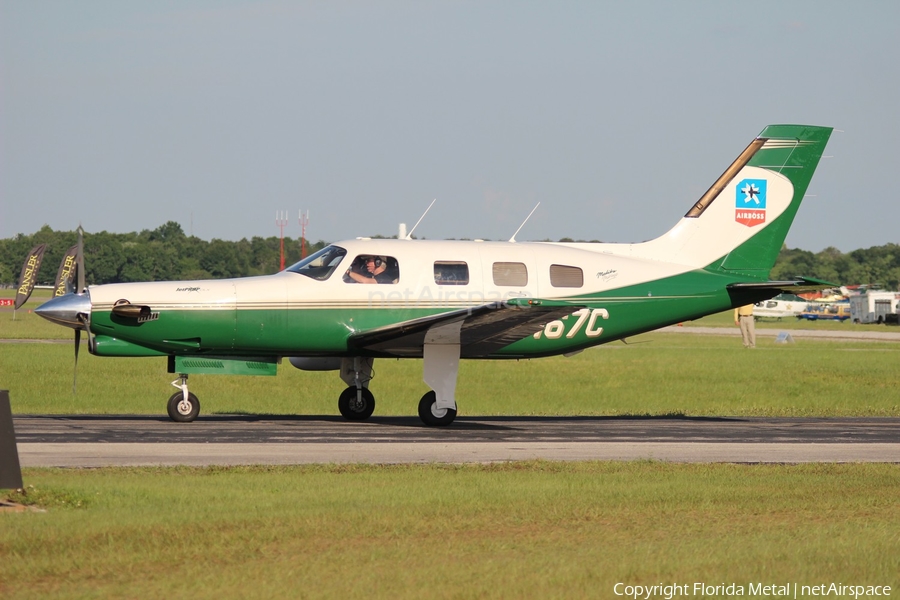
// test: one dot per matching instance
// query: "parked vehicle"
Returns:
(834, 311)
(874, 307)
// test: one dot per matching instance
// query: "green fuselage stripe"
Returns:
(325, 331)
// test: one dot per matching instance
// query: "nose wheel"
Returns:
(183, 406)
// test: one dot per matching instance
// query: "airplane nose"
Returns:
(64, 310)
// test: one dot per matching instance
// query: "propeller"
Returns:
(73, 307)
(83, 318)
(75, 376)
(79, 261)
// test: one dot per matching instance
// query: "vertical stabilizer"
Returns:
(740, 223)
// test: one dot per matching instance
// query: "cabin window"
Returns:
(448, 272)
(321, 265)
(562, 276)
(510, 273)
(373, 268)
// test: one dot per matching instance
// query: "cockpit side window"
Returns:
(373, 268)
(321, 265)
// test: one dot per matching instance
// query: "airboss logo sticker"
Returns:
(750, 202)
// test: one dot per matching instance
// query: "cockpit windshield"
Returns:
(320, 265)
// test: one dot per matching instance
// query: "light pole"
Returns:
(304, 221)
(281, 219)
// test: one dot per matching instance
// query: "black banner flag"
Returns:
(10, 470)
(29, 274)
(66, 273)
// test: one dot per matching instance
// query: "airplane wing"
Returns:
(801, 284)
(481, 330)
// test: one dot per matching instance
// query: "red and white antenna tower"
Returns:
(304, 221)
(281, 219)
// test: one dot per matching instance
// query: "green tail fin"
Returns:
(791, 151)
(739, 225)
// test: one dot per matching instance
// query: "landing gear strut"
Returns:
(440, 369)
(183, 406)
(356, 403)
(437, 408)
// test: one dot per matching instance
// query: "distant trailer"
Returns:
(874, 307)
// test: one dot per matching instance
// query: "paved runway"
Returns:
(107, 440)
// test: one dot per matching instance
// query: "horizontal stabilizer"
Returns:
(801, 284)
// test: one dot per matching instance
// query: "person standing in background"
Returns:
(743, 318)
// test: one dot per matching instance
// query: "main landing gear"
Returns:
(436, 408)
(431, 414)
(183, 406)
(356, 404)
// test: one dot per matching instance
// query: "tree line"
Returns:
(161, 254)
(878, 265)
(167, 253)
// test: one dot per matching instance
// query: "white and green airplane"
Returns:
(358, 300)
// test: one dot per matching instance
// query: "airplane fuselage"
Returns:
(291, 314)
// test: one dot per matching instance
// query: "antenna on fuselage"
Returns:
(409, 235)
(513, 238)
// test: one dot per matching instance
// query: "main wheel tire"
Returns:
(356, 409)
(181, 410)
(433, 416)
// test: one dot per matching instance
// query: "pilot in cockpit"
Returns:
(368, 269)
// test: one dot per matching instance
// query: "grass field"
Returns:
(522, 530)
(654, 374)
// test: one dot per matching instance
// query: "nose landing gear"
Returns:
(183, 406)
(356, 403)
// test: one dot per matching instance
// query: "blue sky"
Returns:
(616, 117)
